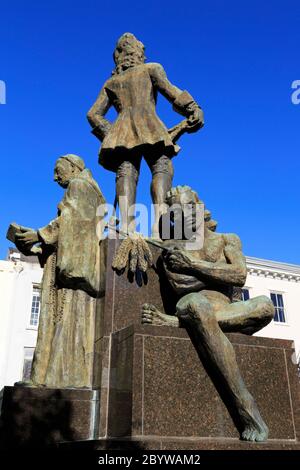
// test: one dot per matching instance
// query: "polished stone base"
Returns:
(41, 417)
(135, 444)
(159, 389)
(155, 391)
(159, 396)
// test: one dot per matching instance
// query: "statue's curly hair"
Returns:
(127, 45)
(175, 191)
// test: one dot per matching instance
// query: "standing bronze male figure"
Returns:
(137, 131)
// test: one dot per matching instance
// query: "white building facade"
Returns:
(20, 279)
(280, 282)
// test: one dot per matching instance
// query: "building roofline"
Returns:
(273, 268)
(31, 259)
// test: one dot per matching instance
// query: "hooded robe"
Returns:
(72, 288)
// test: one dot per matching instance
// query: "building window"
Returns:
(35, 306)
(245, 294)
(277, 300)
(28, 357)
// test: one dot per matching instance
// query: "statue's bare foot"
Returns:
(152, 316)
(255, 427)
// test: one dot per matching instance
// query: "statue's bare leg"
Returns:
(162, 177)
(246, 317)
(126, 183)
(197, 314)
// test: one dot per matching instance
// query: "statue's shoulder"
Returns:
(154, 68)
(232, 239)
(110, 81)
(82, 179)
(77, 185)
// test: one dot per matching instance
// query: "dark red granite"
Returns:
(203, 444)
(155, 393)
(160, 388)
(124, 297)
(32, 417)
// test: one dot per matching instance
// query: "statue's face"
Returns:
(189, 205)
(129, 58)
(63, 172)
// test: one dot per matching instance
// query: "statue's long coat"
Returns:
(71, 288)
(133, 93)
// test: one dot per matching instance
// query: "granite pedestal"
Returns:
(155, 393)
(160, 391)
(41, 417)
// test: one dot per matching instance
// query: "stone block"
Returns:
(41, 417)
(124, 296)
(159, 387)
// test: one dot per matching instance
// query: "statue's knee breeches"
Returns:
(129, 169)
(194, 306)
(162, 164)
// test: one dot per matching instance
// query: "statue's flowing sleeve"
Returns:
(49, 233)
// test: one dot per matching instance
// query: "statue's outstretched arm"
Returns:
(49, 234)
(30, 241)
(96, 115)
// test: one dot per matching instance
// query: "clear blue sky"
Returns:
(237, 58)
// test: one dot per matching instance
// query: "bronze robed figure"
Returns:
(70, 252)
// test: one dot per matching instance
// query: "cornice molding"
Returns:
(273, 269)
